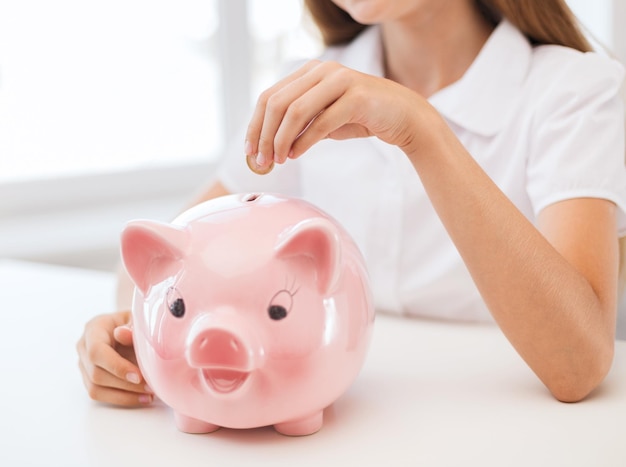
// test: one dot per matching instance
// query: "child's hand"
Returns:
(108, 364)
(327, 100)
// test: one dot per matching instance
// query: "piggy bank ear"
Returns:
(148, 248)
(316, 240)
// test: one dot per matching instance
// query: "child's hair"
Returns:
(541, 21)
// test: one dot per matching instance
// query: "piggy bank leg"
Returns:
(193, 425)
(302, 426)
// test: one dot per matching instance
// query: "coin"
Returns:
(251, 161)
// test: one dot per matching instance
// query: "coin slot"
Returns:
(251, 197)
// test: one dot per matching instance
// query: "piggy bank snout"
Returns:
(225, 357)
(221, 348)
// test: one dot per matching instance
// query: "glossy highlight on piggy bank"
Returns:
(249, 310)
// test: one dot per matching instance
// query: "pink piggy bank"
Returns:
(250, 310)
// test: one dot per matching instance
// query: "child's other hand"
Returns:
(108, 364)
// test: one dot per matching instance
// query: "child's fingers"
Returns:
(114, 395)
(101, 377)
(108, 359)
(263, 156)
(96, 350)
(107, 362)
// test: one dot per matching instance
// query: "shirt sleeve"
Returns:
(578, 134)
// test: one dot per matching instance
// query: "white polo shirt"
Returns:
(545, 123)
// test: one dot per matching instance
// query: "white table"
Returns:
(431, 394)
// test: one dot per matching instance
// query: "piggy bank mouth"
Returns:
(224, 381)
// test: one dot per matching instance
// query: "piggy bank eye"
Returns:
(277, 312)
(280, 305)
(175, 302)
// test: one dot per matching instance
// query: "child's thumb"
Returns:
(123, 334)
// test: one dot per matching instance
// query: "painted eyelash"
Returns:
(290, 288)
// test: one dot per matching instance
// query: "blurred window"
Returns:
(101, 86)
(93, 86)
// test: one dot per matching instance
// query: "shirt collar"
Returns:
(484, 95)
(490, 88)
